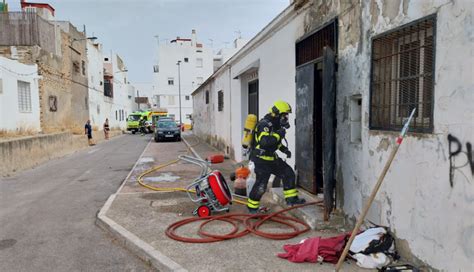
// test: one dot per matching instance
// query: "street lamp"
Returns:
(179, 93)
(88, 38)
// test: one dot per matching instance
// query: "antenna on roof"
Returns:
(239, 34)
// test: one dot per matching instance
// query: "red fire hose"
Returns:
(247, 220)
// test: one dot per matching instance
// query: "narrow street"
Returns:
(48, 213)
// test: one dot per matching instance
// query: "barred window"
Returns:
(24, 96)
(402, 77)
(220, 101)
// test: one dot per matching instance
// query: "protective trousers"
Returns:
(263, 170)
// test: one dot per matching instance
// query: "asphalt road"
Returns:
(47, 214)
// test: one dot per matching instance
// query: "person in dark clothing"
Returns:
(106, 128)
(269, 133)
(88, 131)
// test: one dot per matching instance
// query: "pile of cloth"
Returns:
(372, 248)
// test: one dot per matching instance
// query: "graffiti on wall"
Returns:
(455, 152)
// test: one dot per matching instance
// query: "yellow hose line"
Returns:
(176, 189)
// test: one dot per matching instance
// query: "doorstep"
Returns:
(313, 215)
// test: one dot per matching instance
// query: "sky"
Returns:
(128, 28)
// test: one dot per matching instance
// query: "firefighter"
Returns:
(268, 137)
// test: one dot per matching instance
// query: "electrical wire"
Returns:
(16, 73)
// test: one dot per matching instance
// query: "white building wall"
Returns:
(191, 75)
(114, 108)
(11, 118)
(120, 107)
(276, 76)
(98, 110)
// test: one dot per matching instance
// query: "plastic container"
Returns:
(240, 187)
(251, 178)
(216, 158)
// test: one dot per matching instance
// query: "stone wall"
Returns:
(24, 153)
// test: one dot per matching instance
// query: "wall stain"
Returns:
(383, 145)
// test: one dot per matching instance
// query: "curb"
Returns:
(129, 240)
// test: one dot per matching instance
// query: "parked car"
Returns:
(167, 129)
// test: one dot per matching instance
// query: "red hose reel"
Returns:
(211, 190)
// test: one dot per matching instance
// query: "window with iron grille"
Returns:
(402, 77)
(24, 96)
(220, 101)
(311, 47)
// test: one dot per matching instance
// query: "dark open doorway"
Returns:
(317, 125)
(253, 97)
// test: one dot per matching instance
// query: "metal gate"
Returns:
(304, 126)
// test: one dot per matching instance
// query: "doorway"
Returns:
(315, 112)
(253, 97)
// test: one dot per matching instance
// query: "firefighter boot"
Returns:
(295, 200)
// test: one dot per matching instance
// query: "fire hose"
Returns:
(243, 219)
(251, 222)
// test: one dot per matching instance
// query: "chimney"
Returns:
(193, 37)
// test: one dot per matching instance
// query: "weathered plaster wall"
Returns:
(210, 123)
(203, 117)
(431, 219)
(55, 72)
(76, 49)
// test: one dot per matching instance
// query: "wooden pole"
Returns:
(374, 192)
(367, 207)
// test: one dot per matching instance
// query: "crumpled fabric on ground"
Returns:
(308, 250)
(362, 240)
(371, 261)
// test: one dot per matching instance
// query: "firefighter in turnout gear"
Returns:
(268, 137)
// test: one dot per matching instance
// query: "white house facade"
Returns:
(195, 65)
(110, 94)
(19, 97)
(353, 73)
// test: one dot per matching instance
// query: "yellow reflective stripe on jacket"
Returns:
(254, 204)
(265, 133)
(266, 158)
(290, 193)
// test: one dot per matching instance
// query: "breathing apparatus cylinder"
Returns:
(250, 124)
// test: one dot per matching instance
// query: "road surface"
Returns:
(47, 214)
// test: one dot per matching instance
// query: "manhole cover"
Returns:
(6, 243)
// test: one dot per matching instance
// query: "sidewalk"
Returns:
(138, 218)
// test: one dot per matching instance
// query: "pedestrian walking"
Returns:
(106, 128)
(88, 132)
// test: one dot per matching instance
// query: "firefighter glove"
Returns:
(287, 153)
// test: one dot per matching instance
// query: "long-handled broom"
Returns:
(374, 191)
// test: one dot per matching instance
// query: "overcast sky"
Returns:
(128, 27)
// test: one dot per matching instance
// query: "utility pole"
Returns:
(179, 93)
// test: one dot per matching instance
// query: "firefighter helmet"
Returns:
(280, 107)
